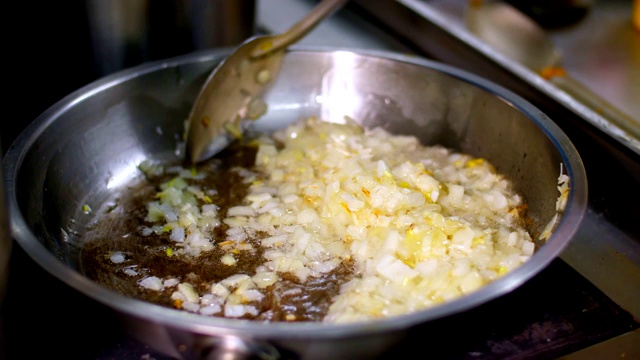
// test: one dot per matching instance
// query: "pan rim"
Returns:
(576, 208)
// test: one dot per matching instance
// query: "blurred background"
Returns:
(64, 45)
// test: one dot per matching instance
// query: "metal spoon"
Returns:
(230, 97)
(521, 39)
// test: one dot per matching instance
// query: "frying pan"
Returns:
(85, 149)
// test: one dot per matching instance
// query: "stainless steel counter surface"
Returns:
(343, 30)
(602, 52)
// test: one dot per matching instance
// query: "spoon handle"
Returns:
(299, 29)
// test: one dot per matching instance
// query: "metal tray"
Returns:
(602, 52)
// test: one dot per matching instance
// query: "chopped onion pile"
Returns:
(421, 225)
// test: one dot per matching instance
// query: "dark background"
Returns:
(54, 47)
(52, 52)
(49, 55)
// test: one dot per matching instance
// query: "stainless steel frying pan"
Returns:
(85, 149)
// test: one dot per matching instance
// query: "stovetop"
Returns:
(583, 299)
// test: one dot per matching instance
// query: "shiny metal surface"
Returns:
(518, 37)
(231, 97)
(95, 138)
(604, 61)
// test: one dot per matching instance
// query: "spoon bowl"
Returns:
(230, 98)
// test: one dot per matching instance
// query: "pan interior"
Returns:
(86, 153)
